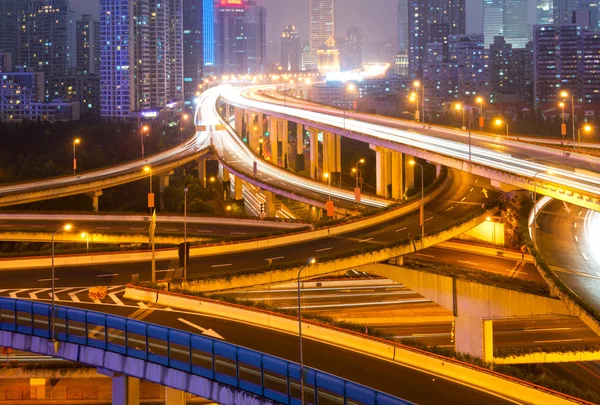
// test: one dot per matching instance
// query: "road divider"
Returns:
(473, 376)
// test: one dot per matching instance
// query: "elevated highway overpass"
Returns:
(569, 177)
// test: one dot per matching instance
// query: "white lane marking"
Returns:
(400, 230)
(48, 279)
(576, 238)
(365, 240)
(429, 219)
(324, 249)
(450, 208)
(14, 293)
(73, 295)
(33, 295)
(575, 225)
(355, 304)
(142, 305)
(423, 254)
(544, 329)
(471, 189)
(108, 275)
(580, 212)
(468, 262)
(115, 299)
(97, 301)
(193, 325)
(275, 258)
(557, 341)
(464, 198)
(476, 181)
(598, 274)
(584, 256)
(222, 265)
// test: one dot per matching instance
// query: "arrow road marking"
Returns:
(206, 332)
(485, 192)
(566, 207)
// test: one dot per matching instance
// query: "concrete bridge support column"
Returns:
(383, 169)
(474, 336)
(38, 387)
(338, 158)
(397, 175)
(96, 199)
(237, 188)
(284, 142)
(202, 169)
(174, 397)
(314, 152)
(226, 174)
(438, 170)
(163, 181)
(227, 112)
(261, 126)
(273, 137)
(253, 136)
(299, 147)
(270, 204)
(125, 390)
(409, 173)
(239, 121)
(327, 154)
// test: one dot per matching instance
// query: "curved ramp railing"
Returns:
(146, 344)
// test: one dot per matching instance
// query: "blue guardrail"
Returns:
(248, 370)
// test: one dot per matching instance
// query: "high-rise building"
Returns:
(291, 50)
(322, 27)
(208, 25)
(493, 20)
(46, 38)
(510, 72)
(403, 26)
(432, 21)
(84, 89)
(240, 37)
(10, 12)
(328, 58)
(88, 46)
(6, 62)
(141, 55)
(352, 52)
(193, 47)
(563, 12)
(544, 12)
(566, 58)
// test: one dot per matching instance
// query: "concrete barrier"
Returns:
(24, 236)
(548, 357)
(478, 378)
(222, 248)
(485, 250)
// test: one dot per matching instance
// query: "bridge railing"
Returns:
(255, 372)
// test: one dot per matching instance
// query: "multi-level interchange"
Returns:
(244, 128)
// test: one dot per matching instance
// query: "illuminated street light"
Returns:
(76, 141)
(184, 117)
(564, 94)
(148, 170)
(460, 107)
(87, 241)
(479, 100)
(420, 115)
(145, 128)
(500, 122)
(585, 128)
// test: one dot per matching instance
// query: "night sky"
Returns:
(377, 18)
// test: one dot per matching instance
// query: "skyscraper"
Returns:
(10, 11)
(544, 12)
(322, 27)
(88, 46)
(517, 31)
(432, 21)
(240, 37)
(352, 55)
(208, 25)
(493, 20)
(193, 47)
(290, 49)
(403, 26)
(141, 55)
(46, 38)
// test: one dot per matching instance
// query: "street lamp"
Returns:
(67, 228)
(184, 117)
(145, 128)
(185, 191)
(356, 169)
(499, 122)
(563, 126)
(418, 85)
(422, 211)
(328, 178)
(565, 95)
(586, 128)
(414, 98)
(479, 100)
(87, 241)
(310, 261)
(148, 170)
(76, 141)
(460, 107)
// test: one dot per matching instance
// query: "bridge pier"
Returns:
(409, 173)
(252, 130)
(125, 390)
(273, 138)
(174, 397)
(474, 336)
(238, 184)
(299, 147)
(284, 142)
(38, 386)
(270, 204)
(202, 168)
(314, 152)
(389, 172)
(239, 121)
(95, 199)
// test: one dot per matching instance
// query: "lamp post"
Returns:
(185, 191)
(422, 211)
(87, 241)
(67, 227)
(418, 85)
(184, 117)
(308, 263)
(76, 142)
(565, 95)
(356, 169)
(563, 126)
(479, 100)
(414, 97)
(148, 170)
(328, 178)
(460, 107)
(586, 128)
(499, 122)
(145, 128)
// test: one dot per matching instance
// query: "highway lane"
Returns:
(462, 195)
(519, 158)
(568, 238)
(404, 382)
(138, 224)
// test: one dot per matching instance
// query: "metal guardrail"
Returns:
(251, 371)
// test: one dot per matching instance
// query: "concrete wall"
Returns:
(92, 238)
(551, 357)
